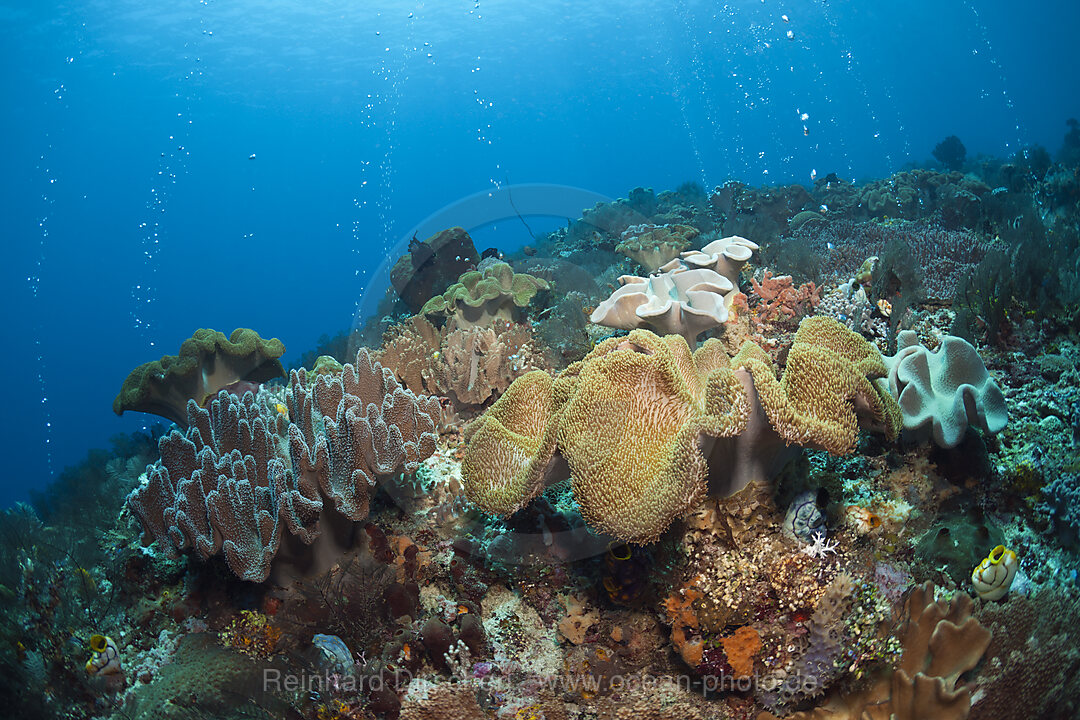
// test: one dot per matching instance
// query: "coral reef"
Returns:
(228, 485)
(478, 298)
(207, 363)
(677, 418)
(432, 265)
(507, 512)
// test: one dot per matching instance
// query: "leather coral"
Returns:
(646, 428)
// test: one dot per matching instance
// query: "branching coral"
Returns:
(781, 300)
(207, 362)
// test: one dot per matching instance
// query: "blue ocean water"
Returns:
(228, 164)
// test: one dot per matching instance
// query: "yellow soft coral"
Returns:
(826, 388)
(507, 452)
(630, 431)
(646, 427)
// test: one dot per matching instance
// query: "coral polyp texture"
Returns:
(243, 474)
(655, 245)
(469, 366)
(642, 423)
(207, 363)
(479, 297)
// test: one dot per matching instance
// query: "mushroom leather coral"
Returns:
(826, 390)
(478, 298)
(206, 363)
(655, 245)
(645, 426)
(941, 642)
(229, 484)
(679, 300)
(944, 391)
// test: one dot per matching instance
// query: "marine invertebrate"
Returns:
(679, 300)
(725, 256)
(826, 391)
(229, 485)
(251, 633)
(941, 392)
(653, 246)
(207, 362)
(804, 518)
(641, 423)
(993, 577)
(950, 152)
(740, 649)
(941, 641)
(820, 547)
(781, 300)
(478, 298)
(105, 658)
(467, 365)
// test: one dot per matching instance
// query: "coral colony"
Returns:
(777, 452)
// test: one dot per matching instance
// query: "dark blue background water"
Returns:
(132, 212)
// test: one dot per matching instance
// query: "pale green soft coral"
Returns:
(480, 297)
(942, 392)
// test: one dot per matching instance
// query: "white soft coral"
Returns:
(820, 547)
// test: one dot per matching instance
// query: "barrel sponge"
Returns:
(826, 392)
(510, 446)
(206, 363)
(478, 298)
(630, 432)
(944, 391)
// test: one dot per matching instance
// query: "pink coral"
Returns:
(781, 300)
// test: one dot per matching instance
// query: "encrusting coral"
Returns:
(207, 363)
(480, 297)
(644, 425)
(229, 485)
